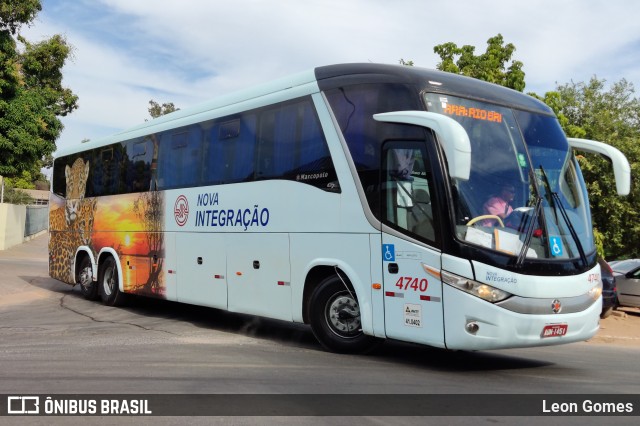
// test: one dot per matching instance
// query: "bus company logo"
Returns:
(556, 306)
(181, 210)
(23, 405)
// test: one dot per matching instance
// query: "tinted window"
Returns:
(138, 166)
(59, 180)
(279, 142)
(354, 107)
(180, 158)
(230, 150)
(292, 146)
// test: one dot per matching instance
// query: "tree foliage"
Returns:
(156, 110)
(15, 13)
(490, 66)
(612, 115)
(31, 93)
(31, 178)
(12, 195)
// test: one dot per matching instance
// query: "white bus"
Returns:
(352, 198)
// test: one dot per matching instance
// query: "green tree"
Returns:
(156, 110)
(15, 196)
(15, 13)
(28, 179)
(31, 93)
(490, 66)
(612, 115)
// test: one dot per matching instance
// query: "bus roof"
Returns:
(428, 80)
(324, 78)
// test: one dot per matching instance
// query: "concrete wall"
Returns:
(12, 219)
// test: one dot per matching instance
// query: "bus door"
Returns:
(412, 291)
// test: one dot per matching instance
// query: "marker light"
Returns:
(483, 291)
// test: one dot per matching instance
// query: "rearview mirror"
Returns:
(451, 136)
(621, 168)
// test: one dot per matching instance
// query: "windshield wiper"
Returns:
(530, 227)
(572, 230)
(556, 204)
(547, 187)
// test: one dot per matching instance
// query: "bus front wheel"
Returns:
(108, 283)
(335, 318)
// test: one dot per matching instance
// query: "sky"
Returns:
(127, 52)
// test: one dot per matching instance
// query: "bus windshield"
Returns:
(525, 195)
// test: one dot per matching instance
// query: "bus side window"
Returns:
(291, 146)
(315, 166)
(138, 165)
(266, 143)
(180, 158)
(58, 181)
(243, 146)
(106, 171)
(231, 150)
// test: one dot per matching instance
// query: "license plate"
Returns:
(554, 330)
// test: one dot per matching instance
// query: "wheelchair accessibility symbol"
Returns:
(555, 244)
(388, 253)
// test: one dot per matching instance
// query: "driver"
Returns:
(499, 205)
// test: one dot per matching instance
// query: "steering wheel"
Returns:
(486, 216)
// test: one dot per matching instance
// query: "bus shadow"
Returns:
(229, 322)
(299, 335)
(452, 360)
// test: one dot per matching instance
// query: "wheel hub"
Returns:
(344, 315)
(86, 277)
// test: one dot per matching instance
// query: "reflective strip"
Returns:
(394, 294)
(218, 277)
(430, 298)
(284, 283)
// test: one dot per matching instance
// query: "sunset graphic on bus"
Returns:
(136, 235)
(130, 224)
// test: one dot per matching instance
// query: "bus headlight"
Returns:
(596, 292)
(483, 291)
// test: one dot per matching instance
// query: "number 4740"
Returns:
(406, 283)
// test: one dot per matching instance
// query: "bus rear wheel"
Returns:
(108, 283)
(335, 318)
(88, 287)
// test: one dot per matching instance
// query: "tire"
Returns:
(334, 314)
(108, 283)
(84, 278)
(606, 312)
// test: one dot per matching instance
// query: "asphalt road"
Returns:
(52, 341)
